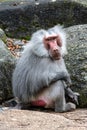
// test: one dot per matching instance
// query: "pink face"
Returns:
(53, 44)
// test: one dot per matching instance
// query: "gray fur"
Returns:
(36, 69)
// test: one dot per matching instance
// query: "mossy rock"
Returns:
(21, 20)
(7, 64)
(3, 36)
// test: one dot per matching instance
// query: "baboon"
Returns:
(40, 77)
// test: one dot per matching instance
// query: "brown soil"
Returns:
(37, 120)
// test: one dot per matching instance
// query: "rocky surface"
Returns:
(35, 120)
(21, 18)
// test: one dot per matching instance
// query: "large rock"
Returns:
(20, 19)
(7, 62)
(76, 60)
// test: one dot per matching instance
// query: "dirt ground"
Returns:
(42, 120)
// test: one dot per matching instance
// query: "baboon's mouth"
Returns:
(56, 55)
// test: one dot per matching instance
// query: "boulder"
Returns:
(76, 60)
(20, 19)
(7, 63)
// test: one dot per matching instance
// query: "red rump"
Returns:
(39, 103)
